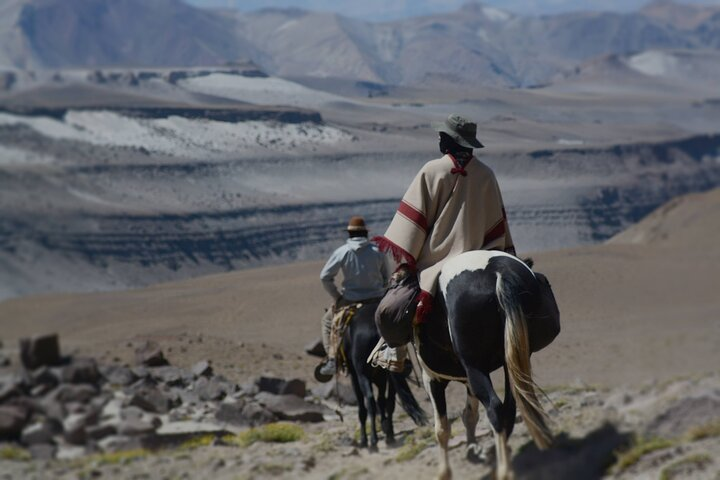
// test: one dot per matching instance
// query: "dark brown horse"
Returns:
(359, 339)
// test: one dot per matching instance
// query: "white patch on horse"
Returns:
(470, 262)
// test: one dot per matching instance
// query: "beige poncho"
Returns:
(447, 210)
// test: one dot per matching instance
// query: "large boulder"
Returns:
(169, 375)
(149, 354)
(292, 407)
(280, 386)
(81, 370)
(118, 375)
(40, 433)
(151, 400)
(13, 419)
(215, 388)
(40, 350)
(202, 369)
(66, 393)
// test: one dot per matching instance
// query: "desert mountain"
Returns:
(683, 17)
(71, 33)
(476, 44)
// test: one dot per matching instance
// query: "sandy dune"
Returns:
(643, 307)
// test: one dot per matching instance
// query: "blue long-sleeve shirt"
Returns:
(364, 268)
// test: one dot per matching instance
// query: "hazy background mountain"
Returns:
(476, 44)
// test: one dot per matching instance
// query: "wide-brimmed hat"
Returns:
(356, 224)
(460, 129)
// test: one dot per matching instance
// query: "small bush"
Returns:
(640, 448)
(421, 439)
(710, 430)
(10, 452)
(680, 468)
(197, 442)
(116, 458)
(272, 433)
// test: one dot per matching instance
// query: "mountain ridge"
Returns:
(475, 44)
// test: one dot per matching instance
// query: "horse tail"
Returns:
(517, 359)
(407, 399)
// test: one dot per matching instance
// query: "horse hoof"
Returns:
(390, 440)
(474, 454)
(373, 448)
(363, 444)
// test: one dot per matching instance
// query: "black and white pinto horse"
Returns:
(491, 312)
(359, 338)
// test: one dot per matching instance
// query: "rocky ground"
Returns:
(81, 418)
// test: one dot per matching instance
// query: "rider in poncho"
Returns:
(452, 206)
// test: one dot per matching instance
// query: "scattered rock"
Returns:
(202, 369)
(42, 451)
(255, 414)
(83, 370)
(39, 350)
(280, 386)
(135, 427)
(12, 420)
(316, 348)
(342, 393)
(291, 407)
(98, 432)
(151, 400)
(684, 415)
(232, 413)
(41, 432)
(118, 443)
(170, 375)
(74, 428)
(212, 389)
(66, 393)
(149, 354)
(117, 375)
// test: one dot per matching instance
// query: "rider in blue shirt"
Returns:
(365, 275)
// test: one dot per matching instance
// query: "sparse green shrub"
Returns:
(119, 458)
(280, 432)
(639, 448)
(711, 430)
(199, 441)
(679, 469)
(416, 443)
(10, 452)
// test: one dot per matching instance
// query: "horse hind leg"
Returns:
(370, 405)
(481, 387)
(436, 390)
(362, 411)
(387, 424)
(470, 416)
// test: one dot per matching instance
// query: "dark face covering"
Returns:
(448, 145)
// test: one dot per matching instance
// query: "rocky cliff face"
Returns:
(103, 226)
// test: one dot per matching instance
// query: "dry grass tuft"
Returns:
(680, 468)
(280, 432)
(710, 430)
(640, 448)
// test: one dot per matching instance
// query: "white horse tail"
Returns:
(517, 359)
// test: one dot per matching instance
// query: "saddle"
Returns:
(432, 341)
(341, 319)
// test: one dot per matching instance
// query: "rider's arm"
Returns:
(330, 270)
